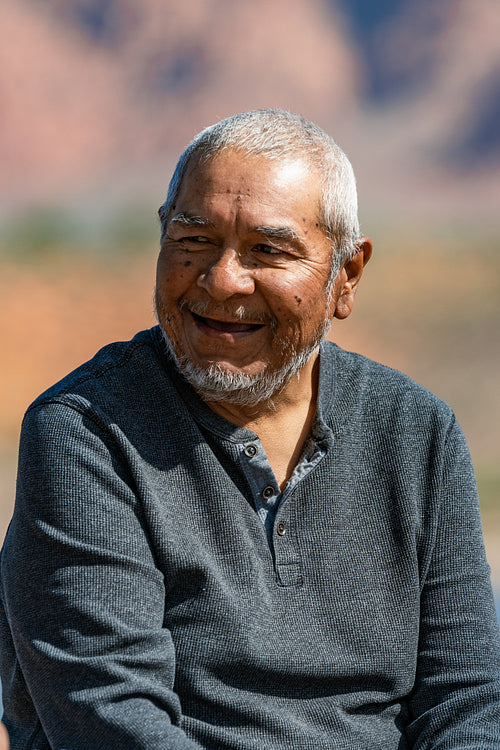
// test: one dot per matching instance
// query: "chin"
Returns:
(219, 383)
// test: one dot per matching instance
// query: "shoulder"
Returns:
(366, 390)
(122, 372)
(122, 401)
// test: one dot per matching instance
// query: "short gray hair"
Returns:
(278, 134)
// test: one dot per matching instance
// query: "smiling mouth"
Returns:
(224, 326)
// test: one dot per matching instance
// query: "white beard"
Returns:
(214, 383)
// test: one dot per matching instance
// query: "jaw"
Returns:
(203, 341)
(235, 357)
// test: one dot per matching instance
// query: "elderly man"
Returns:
(230, 534)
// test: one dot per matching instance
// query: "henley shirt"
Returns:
(144, 605)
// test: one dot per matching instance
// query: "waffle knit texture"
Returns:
(144, 608)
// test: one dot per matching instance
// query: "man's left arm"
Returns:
(456, 700)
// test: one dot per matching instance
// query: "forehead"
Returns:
(288, 186)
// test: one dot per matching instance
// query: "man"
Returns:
(228, 532)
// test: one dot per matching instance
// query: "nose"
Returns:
(226, 276)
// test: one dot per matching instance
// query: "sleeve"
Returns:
(456, 700)
(83, 596)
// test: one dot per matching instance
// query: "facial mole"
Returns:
(187, 263)
(299, 299)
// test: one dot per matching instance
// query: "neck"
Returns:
(283, 428)
(299, 394)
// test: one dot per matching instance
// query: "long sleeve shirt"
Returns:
(145, 606)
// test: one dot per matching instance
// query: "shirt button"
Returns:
(281, 528)
(250, 450)
(268, 492)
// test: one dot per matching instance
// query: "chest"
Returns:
(336, 594)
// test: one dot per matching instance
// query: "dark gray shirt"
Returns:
(145, 608)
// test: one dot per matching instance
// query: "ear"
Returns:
(349, 276)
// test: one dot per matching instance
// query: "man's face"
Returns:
(244, 265)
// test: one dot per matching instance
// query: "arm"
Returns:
(82, 594)
(456, 701)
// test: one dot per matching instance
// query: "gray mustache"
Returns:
(224, 312)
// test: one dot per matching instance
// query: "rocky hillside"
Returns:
(100, 95)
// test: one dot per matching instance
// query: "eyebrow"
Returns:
(190, 220)
(279, 233)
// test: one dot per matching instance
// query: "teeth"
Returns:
(228, 326)
(220, 325)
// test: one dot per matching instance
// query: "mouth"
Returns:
(225, 326)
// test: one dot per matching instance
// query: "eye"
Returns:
(268, 250)
(197, 239)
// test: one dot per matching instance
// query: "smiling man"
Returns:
(245, 291)
(230, 534)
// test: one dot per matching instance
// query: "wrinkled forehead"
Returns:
(265, 187)
(267, 172)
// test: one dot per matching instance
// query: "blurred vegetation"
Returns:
(36, 234)
(44, 232)
(488, 484)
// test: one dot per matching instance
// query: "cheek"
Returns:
(174, 274)
(307, 307)
(300, 297)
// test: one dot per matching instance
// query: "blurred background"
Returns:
(98, 98)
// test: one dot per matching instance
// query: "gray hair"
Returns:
(278, 134)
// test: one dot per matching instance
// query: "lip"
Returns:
(225, 328)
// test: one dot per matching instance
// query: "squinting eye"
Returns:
(198, 238)
(268, 250)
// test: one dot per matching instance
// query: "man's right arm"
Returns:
(83, 597)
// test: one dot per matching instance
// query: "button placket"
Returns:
(287, 558)
(262, 483)
(266, 494)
